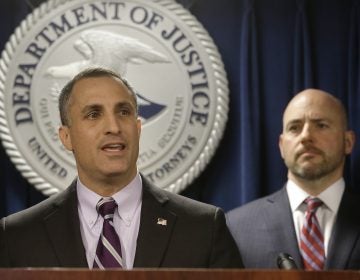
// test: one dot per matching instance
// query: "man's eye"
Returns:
(293, 128)
(124, 112)
(92, 115)
(322, 125)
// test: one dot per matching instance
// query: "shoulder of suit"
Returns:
(257, 205)
(42, 209)
(350, 201)
(177, 201)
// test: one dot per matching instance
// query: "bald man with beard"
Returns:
(314, 144)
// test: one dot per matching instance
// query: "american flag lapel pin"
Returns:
(161, 221)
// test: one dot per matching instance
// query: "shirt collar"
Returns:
(331, 196)
(128, 200)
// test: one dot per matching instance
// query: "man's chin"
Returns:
(119, 171)
(309, 173)
(116, 172)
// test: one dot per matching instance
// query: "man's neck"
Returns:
(314, 187)
(107, 186)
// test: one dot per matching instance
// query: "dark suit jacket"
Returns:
(264, 228)
(48, 234)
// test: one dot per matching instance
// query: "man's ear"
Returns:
(139, 126)
(280, 145)
(349, 141)
(64, 134)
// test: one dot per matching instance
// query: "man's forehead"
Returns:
(312, 117)
(104, 104)
(101, 96)
(97, 88)
(313, 111)
(308, 118)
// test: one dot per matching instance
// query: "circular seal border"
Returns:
(221, 83)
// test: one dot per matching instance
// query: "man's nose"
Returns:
(306, 133)
(112, 124)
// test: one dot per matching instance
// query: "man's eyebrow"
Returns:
(313, 120)
(294, 121)
(124, 104)
(91, 107)
(321, 120)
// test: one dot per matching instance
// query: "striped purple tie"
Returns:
(311, 238)
(108, 252)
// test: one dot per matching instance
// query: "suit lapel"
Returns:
(280, 224)
(63, 227)
(346, 232)
(156, 225)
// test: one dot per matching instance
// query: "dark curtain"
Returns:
(271, 50)
(353, 93)
(249, 111)
(302, 53)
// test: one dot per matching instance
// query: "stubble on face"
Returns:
(303, 167)
(317, 155)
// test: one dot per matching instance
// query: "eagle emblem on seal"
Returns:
(113, 51)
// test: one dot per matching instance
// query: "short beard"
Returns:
(314, 173)
(310, 174)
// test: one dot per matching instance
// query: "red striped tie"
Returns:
(311, 238)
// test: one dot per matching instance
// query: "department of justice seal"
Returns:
(157, 45)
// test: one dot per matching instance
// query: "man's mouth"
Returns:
(310, 152)
(114, 147)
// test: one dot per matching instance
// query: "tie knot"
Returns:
(106, 207)
(313, 203)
